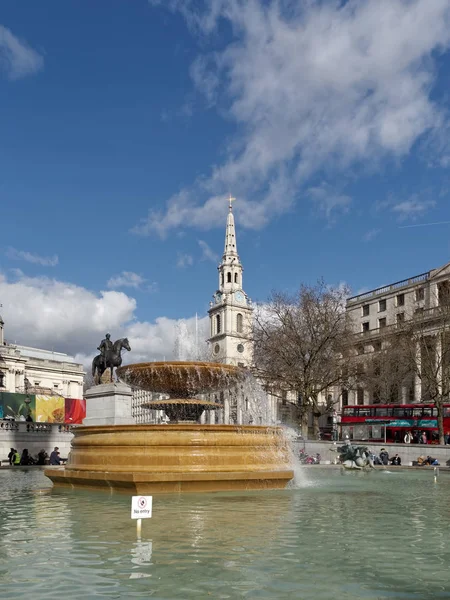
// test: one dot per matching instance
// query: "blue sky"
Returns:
(124, 126)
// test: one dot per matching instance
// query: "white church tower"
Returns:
(230, 313)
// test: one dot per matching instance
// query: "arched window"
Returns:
(228, 277)
(222, 278)
(217, 323)
(239, 323)
(235, 278)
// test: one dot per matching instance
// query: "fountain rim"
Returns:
(182, 363)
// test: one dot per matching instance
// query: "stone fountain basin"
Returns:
(180, 379)
(147, 459)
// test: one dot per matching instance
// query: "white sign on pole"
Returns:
(141, 507)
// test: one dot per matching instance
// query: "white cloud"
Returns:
(184, 260)
(371, 234)
(126, 279)
(415, 206)
(48, 313)
(329, 202)
(17, 59)
(44, 261)
(207, 252)
(309, 86)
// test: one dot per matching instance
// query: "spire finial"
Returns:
(230, 201)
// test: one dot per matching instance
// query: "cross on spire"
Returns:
(230, 201)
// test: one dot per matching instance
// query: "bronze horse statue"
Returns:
(111, 359)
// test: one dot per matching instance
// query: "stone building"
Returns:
(37, 371)
(377, 313)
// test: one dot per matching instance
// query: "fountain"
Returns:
(183, 455)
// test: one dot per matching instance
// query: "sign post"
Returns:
(141, 508)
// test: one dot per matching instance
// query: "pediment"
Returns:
(441, 272)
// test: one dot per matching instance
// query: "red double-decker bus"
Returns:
(392, 422)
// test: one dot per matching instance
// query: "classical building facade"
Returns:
(36, 371)
(379, 312)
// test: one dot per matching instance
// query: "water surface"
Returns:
(383, 535)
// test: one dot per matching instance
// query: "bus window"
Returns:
(417, 412)
(380, 412)
(363, 412)
(446, 411)
(427, 411)
(400, 411)
(348, 411)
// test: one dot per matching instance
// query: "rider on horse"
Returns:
(106, 346)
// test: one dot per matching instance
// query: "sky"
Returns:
(124, 126)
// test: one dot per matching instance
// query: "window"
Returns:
(344, 397)
(283, 398)
(365, 326)
(37, 383)
(400, 300)
(2, 379)
(218, 328)
(365, 310)
(400, 317)
(55, 385)
(382, 305)
(400, 411)
(359, 396)
(382, 322)
(241, 364)
(376, 346)
(380, 412)
(222, 278)
(444, 293)
(363, 412)
(420, 294)
(239, 323)
(419, 311)
(235, 278)
(228, 277)
(359, 349)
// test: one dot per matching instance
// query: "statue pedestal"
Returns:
(108, 404)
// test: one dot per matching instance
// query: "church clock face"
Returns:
(239, 297)
(217, 349)
(240, 348)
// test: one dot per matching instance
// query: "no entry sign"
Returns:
(141, 507)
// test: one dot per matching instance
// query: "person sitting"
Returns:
(11, 456)
(54, 460)
(42, 457)
(25, 459)
(384, 456)
(16, 458)
(396, 460)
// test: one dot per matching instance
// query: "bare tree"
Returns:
(386, 371)
(299, 344)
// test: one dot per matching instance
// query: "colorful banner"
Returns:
(427, 423)
(75, 411)
(18, 406)
(42, 409)
(49, 409)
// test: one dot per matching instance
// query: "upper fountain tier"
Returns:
(181, 379)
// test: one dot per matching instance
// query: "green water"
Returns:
(383, 535)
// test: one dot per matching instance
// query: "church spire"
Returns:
(230, 250)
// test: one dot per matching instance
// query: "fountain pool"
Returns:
(373, 537)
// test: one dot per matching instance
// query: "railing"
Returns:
(389, 288)
(424, 315)
(28, 427)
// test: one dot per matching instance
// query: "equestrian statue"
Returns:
(109, 357)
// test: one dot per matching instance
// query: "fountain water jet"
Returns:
(181, 456)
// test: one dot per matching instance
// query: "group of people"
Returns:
(383, 458)
(413, 437)
(42, 458)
